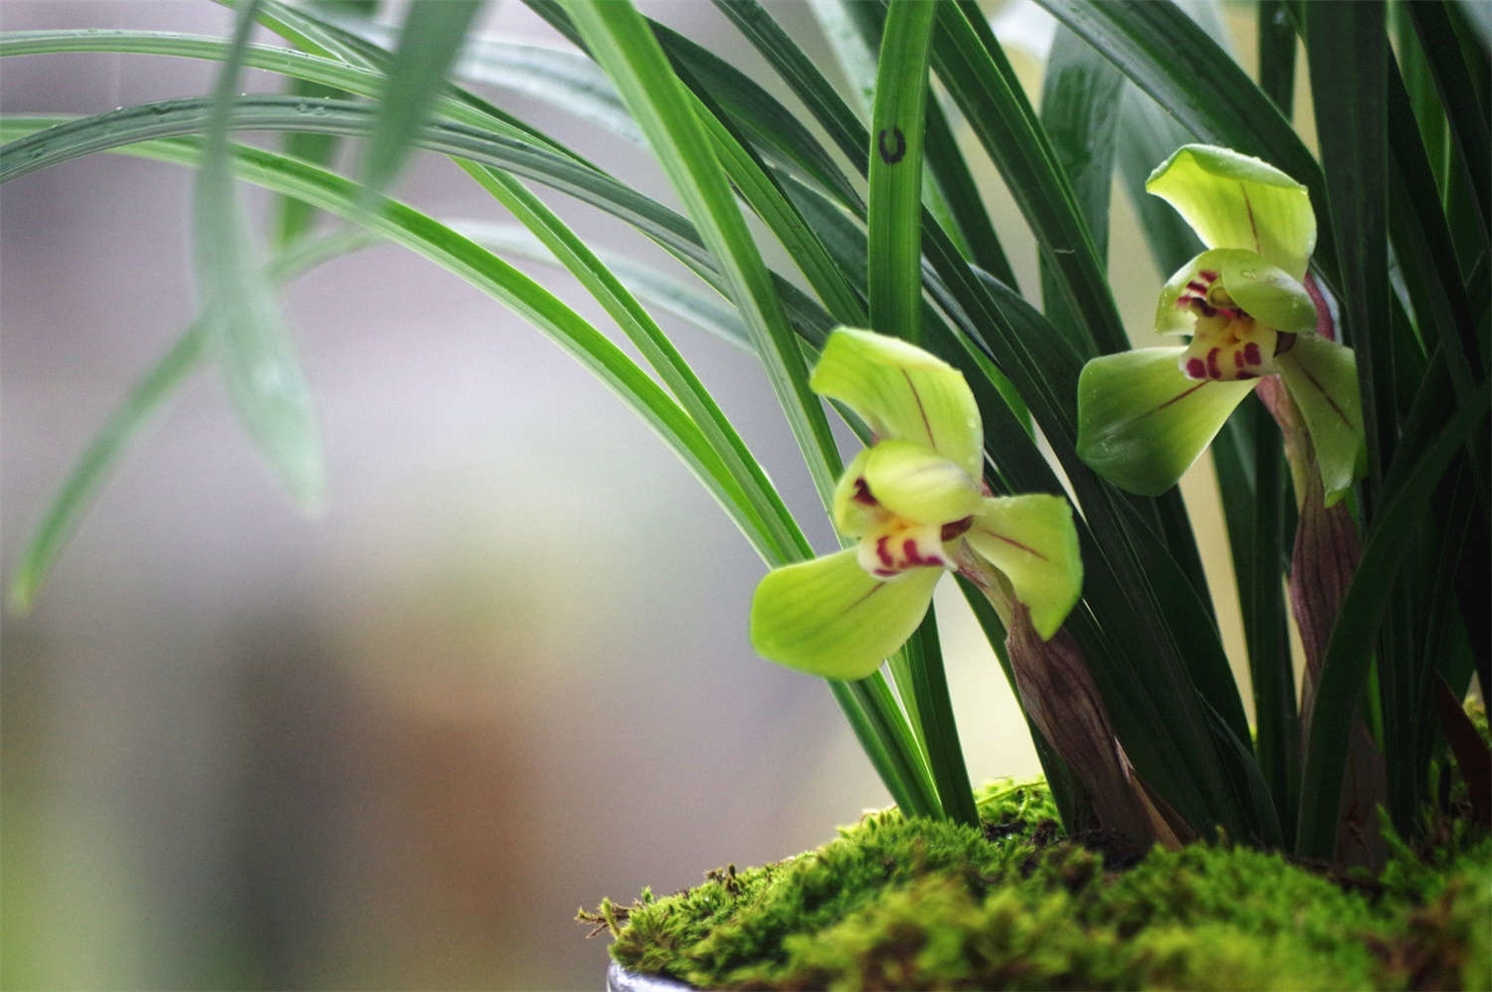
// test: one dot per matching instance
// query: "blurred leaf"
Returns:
(294, 218)
(244, 328)
(429, 42)
(144, 402)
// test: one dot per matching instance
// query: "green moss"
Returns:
(894, 903)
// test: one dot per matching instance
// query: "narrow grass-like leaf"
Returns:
(1080, 93)
(1079, 112)
(143, 403)
(1344, 671)
(622, 43)
(292, 217)
(246, 332)
(768, 125)
(900, 109)
(567, 80)
(42, 142)
(1351, 121)
(1253, 488)
(427, 237)
(429, 42)
(703, 308)
(1454, 80)
(1277, 55)
(1423, 244)
(935, 717)
(970, 63)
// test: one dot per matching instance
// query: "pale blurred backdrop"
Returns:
(506, 673)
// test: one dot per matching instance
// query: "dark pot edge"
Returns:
(619, 979)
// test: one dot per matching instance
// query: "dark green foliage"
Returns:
(896, 903)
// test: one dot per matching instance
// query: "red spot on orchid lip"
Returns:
(862, 493)
(1238, 359)
(881, 551)
(1251, 354)
(1208, 274)
(1207, 309)
(1213, 372)
(1200, 287)
(1195, 369)
(913, 557)
(1246, 375)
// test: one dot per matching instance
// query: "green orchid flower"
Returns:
(915, 504)
(1145, 416)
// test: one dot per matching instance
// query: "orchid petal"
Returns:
(1235, 201)
(917, 483)
(1265, 292)
(1033, 541)
(1172, 316)
(1321, 376)
(1268, 293)
(854, 508)
(827, 617)
(903, 392)
(1142, 422)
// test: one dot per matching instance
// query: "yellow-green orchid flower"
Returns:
(915, 503)
(1144, 416)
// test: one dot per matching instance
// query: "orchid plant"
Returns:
(1337, 309)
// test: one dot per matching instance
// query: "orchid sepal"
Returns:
(829, 617)
(902, 393)
(1236, 201)
(1321, 377)
(1033, 541)
(1142, 422)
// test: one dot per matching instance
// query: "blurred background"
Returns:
(506, 672)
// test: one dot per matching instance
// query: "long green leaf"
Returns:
(624, 46)
(701, 307)
(429, 238)
(1248, 456)
(1351, 101)
(766, 124)
(1080, 94)
(970, 63)
(141, 405)
(896, 171)
(246, 332)
(1277, 55)
(1454, 80)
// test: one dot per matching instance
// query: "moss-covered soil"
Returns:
(898, 904)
